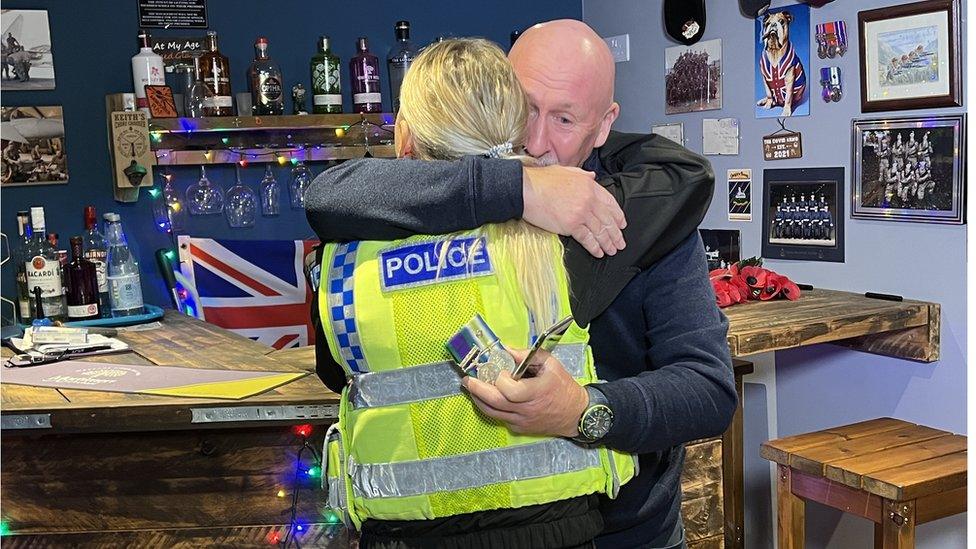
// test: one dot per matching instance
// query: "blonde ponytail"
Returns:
(461, 97)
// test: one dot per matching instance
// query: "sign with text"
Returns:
(178, 51)
(173, 14)
(782, 146)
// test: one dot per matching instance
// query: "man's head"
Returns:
(567, 72)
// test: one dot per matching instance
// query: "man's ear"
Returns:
(402, 139)
(608, 119)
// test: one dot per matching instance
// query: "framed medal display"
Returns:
(909, 169)
(803, 214)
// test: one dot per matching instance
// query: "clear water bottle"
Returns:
(125, 288)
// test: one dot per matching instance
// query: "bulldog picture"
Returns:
(782, 79)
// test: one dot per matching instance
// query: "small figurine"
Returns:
(831, 39)
(298, 99)
(830, 80)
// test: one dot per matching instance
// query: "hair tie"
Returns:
(496, 151)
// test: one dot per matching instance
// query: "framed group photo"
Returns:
(803, 214)
(910, 56)
(693, 81)
(908, 169)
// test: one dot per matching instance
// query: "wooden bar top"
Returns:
(180, 341)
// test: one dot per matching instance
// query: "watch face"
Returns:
(597, 421)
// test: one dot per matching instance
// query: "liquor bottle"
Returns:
(326, 87)
(215, 70)
(364, 73)
(96, 250)
(52, 239)
(265, 77)
(82, 285)
(147, 69)
(399, 60)
(123, 271)
(23, 296)
(43, 269)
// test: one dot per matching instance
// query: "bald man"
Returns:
(655, 330)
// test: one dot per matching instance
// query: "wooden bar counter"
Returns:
(98, 469)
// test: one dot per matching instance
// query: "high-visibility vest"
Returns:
(410, 444)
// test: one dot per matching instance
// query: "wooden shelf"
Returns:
(904, 329)
(228, 139)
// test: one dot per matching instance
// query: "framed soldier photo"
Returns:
(910, 56)
(803, 214)
(909, 169)
(693, 81)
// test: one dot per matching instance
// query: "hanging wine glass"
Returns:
(301, 178)
(270, 194)
(177, 213)
(203, 197)
(196, 94)
(160, 212)
(242, 205)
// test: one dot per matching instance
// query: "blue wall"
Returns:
(821, 386)
(93, 42)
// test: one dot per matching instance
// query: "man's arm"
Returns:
(690, 392)
(376, 199)
(665, 190)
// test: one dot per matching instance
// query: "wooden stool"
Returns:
(894, 473)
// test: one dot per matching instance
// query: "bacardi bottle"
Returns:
(23, 296)
(401, 56)
(95, 250)
(147, 69)
(266, 83)
(43, 270)
(364, 72)
(326, 88)
(215, 70)
(82, 285)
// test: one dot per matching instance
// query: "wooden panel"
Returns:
(849, 471)
(732, 482)
(702, 507)
(780, 449)
(921, 343)
(898, 531)
(314, 535)
(812, 460)
(919, 479)
(936, 506)
(836, 495)
(155, 480)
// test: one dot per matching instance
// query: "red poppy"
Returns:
(774, 285)
(790, 290)
(740, 283)
(725, 293)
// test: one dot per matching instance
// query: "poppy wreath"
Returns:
(747, 280)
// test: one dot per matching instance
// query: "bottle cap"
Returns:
(75, 241)
(261, 40)
(89, 216)
(402, 30)
(144, 38)
(324, 42)
(362, 44)
(110, 217)
(37, 217)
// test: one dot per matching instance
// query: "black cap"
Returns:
(685, 20)
(753, 8)
(362, 44)
(402, 30)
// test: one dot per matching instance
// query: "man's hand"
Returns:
(569, 201)
(550, 403)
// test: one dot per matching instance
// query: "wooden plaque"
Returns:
(782, 146)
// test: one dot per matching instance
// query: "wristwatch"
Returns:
(597, 418)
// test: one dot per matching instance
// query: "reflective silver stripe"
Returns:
(436, 380)
(615, 486)
(413, 384)
(335, 488)
(444, 474)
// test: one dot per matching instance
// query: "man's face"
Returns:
(566, 119)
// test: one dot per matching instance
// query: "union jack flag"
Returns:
(775, 75)
(256, 288)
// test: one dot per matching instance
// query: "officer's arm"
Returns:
(664, 190)
(385, 199)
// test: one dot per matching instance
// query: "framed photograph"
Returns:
(721, 247)
(675, 132)
(694, 77)
(32, 144)
(910, 56)
(782, 61)
(28, 62)
(803, 214)
(161, 102)
(908, 169)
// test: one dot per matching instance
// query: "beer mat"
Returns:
(174, 381)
